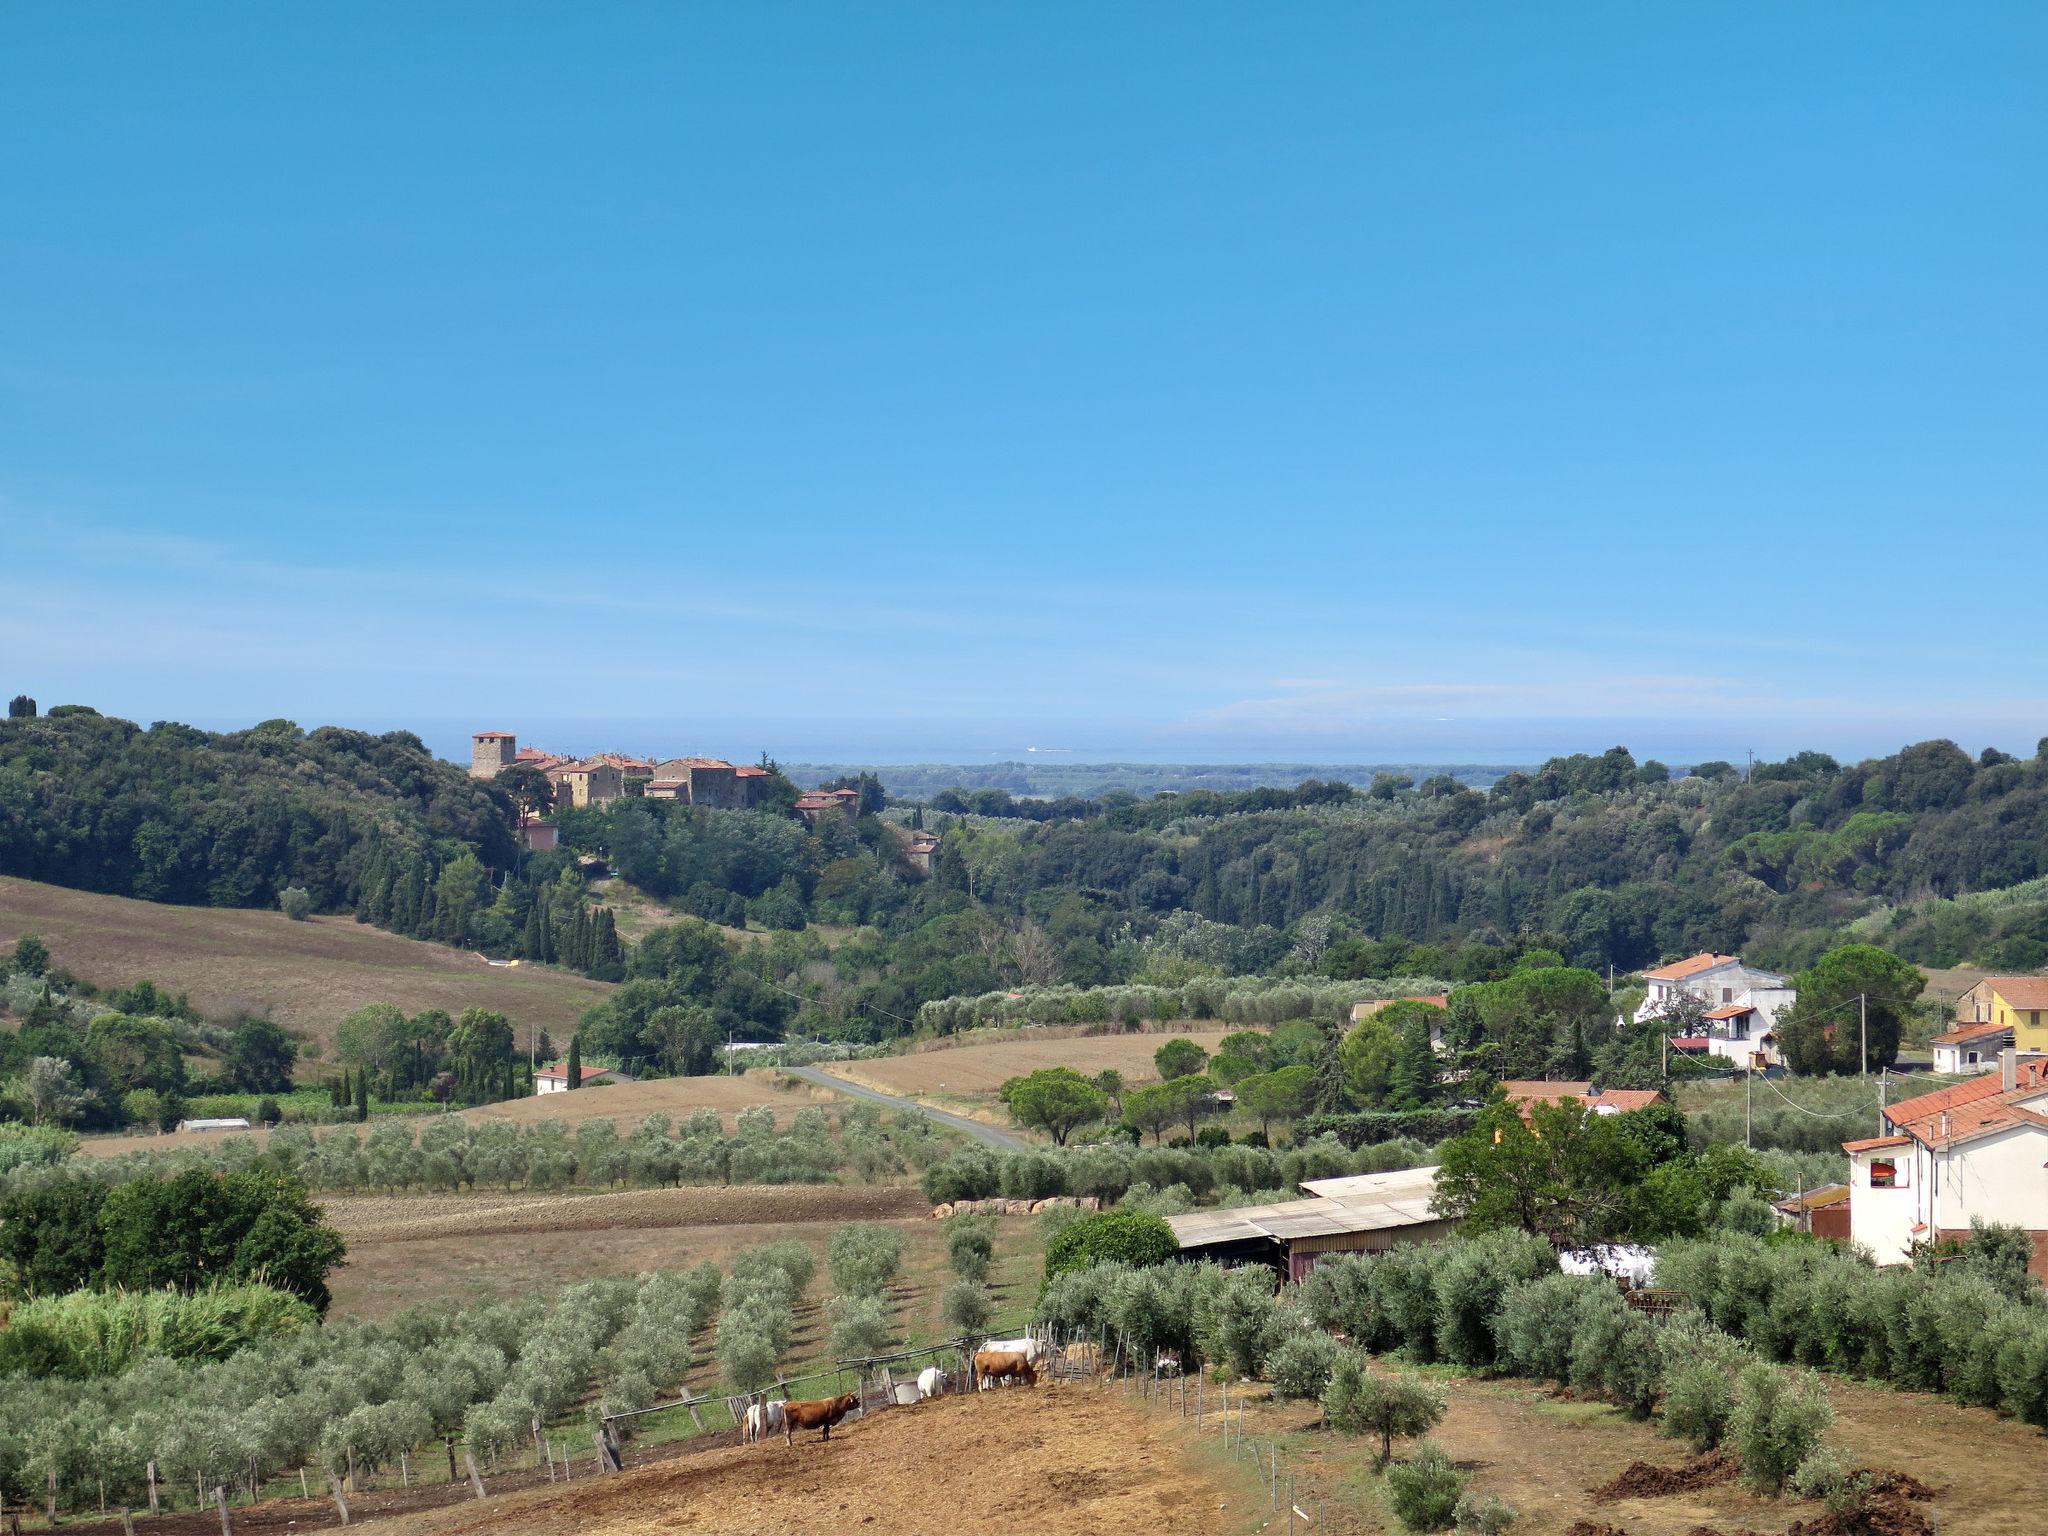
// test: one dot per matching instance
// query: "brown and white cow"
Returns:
(992, 1366)
(819, 1413)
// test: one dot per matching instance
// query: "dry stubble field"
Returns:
(307, 976)
(972, 1073)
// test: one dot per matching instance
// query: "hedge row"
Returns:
(1370, 1127)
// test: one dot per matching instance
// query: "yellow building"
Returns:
(2017, 1003)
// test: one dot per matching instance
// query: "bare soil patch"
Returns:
(307, 976)
(968, 1463)
(414, 1218)
(1643, 1480)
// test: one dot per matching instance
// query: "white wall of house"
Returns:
(1995, 1178)
(550, 1085)
(1882, 1219)
(1969, 1056)
(1731, 983)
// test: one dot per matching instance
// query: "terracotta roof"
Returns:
(1965, 1111)
(1872, 1143)
(1525, 1091)
(1678, 970)
(2021, 991)
(751, 773)
(493, 736)
(1731, 1011)
(1690, 1042)
(696, 762)
(1964, 1032)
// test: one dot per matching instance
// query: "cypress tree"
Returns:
(610, 956)
(363, 1094)
(576, 1060)
(533, 943)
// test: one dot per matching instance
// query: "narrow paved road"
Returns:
(986, 1134)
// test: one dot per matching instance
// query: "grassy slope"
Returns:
(308, 976)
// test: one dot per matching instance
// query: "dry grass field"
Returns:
(969, 1073)
(626, 1103)
(307, 976)
(1072, 1459)
(1544, 1453)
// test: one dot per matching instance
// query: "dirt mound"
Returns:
(1887, 1509)
(1645, 1480)
(1593, 1528)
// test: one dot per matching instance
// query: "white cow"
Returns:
(931, 1382)
(764, 1419)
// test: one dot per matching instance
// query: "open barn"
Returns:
(1358, 1213)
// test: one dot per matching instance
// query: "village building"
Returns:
(491, 753)
(535, 834)
(2019, 1003)
(1360, 1012)
(1741, 1006)
(634, 772)
(1525, 1093)
(1820, 1212)
(1972, 1151)
(1968, 1048)
(592, 782)
(1359, 1213)
(820, 804)
(705, 781)
(922, 850)
(554, 1078)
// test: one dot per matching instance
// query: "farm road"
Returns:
(1003, 1141)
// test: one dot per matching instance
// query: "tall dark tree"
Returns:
(575, 1063)
(21, 707)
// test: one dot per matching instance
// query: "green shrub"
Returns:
(1699, 1364)
(1489, 1516)
(861, 1328)
(100, 1333)
(1359, 1401)
(1243, 1318)
(1300, 1366)
(1471, 1283)
(1127, 1237)
(1538, 1321)
(967, 1308)
(971, 1244)
(1778, 1420)
(295, 902)
(1338, 1293)
(972, 1173)
(864, 1256)
(1424, 1490)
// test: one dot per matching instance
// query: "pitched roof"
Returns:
(560, 1074)
(1524, 1091)
(2021, 991)
(1872, 1143)
(1814, 1199)
(1949, 1116)
(492, 736)
(1963, 1032)
(1372, 1202)
(1679, 970)
(747, 772)
(1731, 1011)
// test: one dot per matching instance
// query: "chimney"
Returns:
(2008, 1069)
(1944, 1125)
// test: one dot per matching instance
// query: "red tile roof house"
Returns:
(1523, 1092)
(1970, 1048)
(1975, 1150)
(1742, 1002)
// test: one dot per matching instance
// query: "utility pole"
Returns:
(1748, 1087)
(1883, 1081)
(1863, 1022)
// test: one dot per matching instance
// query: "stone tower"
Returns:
(490, 752)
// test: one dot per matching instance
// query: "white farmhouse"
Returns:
(1742, 1005)
(555, 1078)
(1972, 1151)
(1971, 1048)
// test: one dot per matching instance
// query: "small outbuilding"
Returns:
(1359, 1213)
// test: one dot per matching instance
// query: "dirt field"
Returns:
(1543, 1453)
(972, 1072)
(307, 976)
(627, 1103)
(1067, 1459)
(408, 1249)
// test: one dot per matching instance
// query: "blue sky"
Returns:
(1332, 381)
